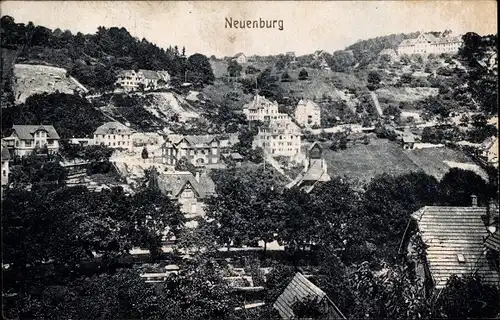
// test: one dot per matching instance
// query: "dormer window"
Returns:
(460, 258)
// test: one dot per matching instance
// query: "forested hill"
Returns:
(371, 47)
(94, 59)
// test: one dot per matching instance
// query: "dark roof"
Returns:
(453, 233)
(26, 132)
(195, 141)
(493, 241)
(174, 182)
(300, 289)
(113, 127)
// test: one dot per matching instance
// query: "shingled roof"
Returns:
(26, 132)
(455, 242)
(174, 182)
(300, 289)
(493, 241)
(194, 140)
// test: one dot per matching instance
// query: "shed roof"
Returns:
(452, 232)
(26, 132)
(300, 289)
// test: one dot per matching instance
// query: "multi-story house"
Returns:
(308, 113)
(279, 137)
(188, 190)
(131, 80)
(427, 43)
(261, 109)
(114, 135)
(199, 150)
(25, 139)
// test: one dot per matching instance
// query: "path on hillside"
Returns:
(377, 104)
(270, 160)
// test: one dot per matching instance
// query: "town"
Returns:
(141, 182)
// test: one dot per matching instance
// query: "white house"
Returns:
(114, 135)
(279, 137)
(240, 58)
(261, 109)
(25, 139)
(308, 113)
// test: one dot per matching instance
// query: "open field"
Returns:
(363, 162)
(392, 94)
(32, 79)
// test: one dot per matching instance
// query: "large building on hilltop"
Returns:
(25, 139)
(308, 113)
(427, 43)
(114, 135)
(199, 150)
(131, 80)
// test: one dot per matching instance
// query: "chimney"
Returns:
(474, 200)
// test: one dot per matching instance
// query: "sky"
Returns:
(307, 25)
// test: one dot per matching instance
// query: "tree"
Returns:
(234, 68)
(467, 297)
(199, 69)
(303, 75)
(285, 77)
(185, 165)
(458, 185)
(144, 153)
(373, 80)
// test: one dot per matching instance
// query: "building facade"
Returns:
(5, 165)
(189, 190)
(131, 80)
(114, 135)
(261, 109)
(279, 137)
(199, 150)
(240, 58)
(308, 113)
(26, 139)
(427, 43)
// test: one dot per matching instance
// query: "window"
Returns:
(27, 143)
(50, 142)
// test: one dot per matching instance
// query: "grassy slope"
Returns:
(363, 162)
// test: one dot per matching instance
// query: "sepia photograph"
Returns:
(249, 160)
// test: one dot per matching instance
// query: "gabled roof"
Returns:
(201, 141)
(316, 171)
(453, 233)
(26, 132)
(493, 241)
(390, 52)
(308, 104)
(174, 182)
(239, 54)
(300, 289)
(259, 102)
(113, 127)
(149, 74)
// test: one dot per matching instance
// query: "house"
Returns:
(388, 52)
(427, 43)
(279, 137)
(489, 151)
(308, 113)
(240, 58)
(131, 80)
(5, 165)
(261, 109)
(454, 239)
(114, 135)
(300, 289)
(200, 150)
(188, 190)
(233, 157)
(315, 170)
(25, 139)
(408, 141)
